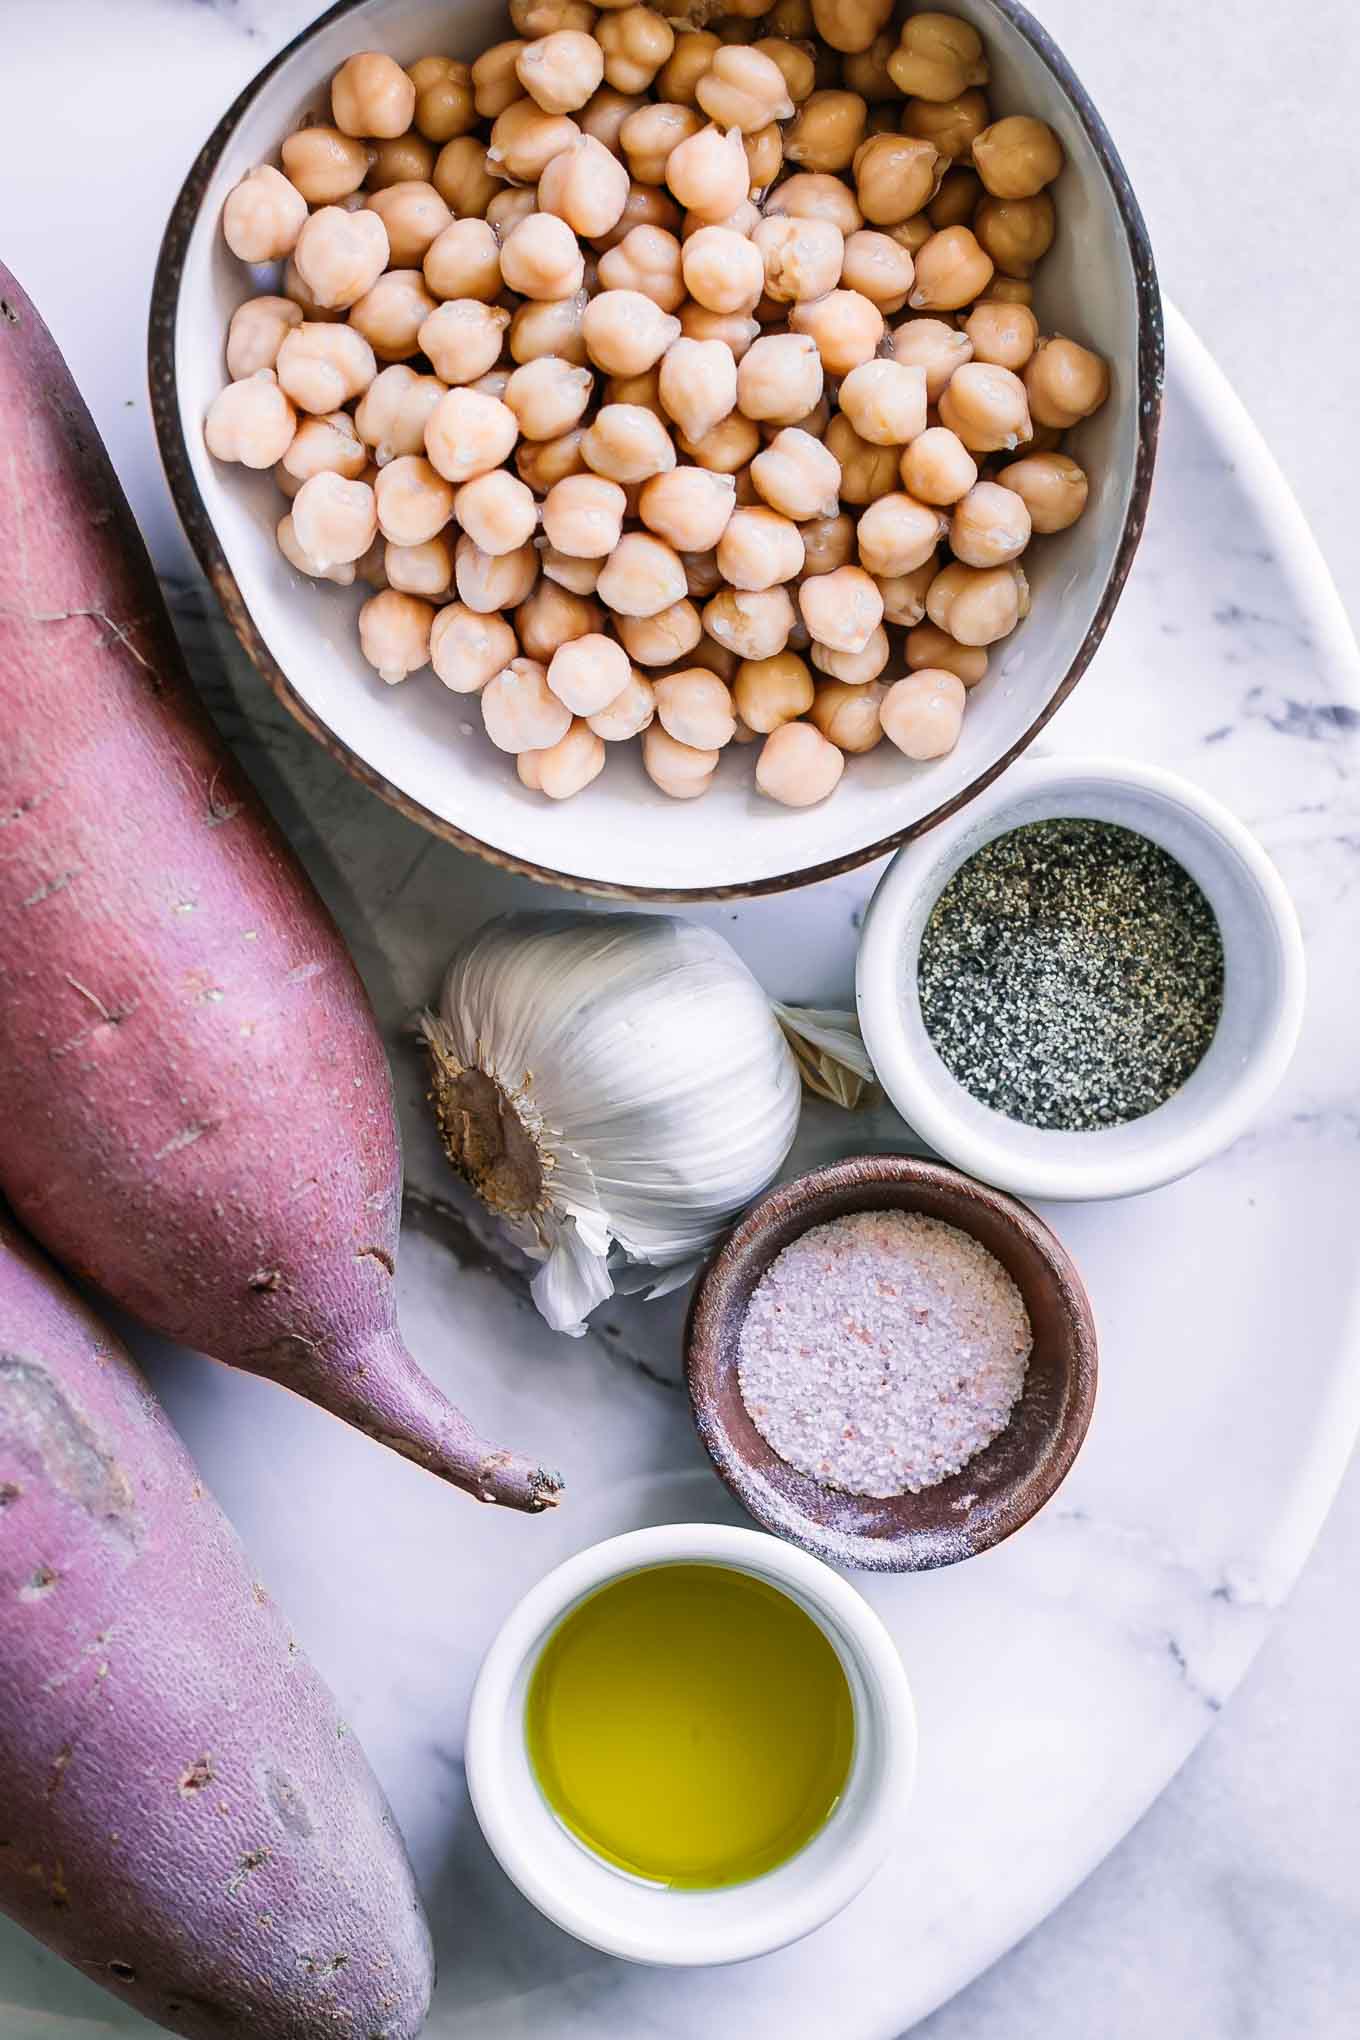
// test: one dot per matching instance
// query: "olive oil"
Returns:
(691, 1725)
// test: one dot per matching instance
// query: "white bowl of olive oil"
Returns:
(691, 1744)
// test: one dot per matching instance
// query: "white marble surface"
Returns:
(1226, 1914)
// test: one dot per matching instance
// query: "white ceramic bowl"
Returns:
(424, 748)
(643, 1923)
(1262, 998)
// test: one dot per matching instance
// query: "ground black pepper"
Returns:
(1071, 975)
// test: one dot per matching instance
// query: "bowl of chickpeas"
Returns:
(587, 412)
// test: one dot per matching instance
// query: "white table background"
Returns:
(1233, 1911)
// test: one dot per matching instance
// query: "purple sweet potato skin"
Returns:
(198, 1110)
(182, 1812)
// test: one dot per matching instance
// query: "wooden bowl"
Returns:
(1007, 1483)
(423, 748)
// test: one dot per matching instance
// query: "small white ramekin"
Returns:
(641, 1922)
(1263, 992)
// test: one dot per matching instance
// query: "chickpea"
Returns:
(990, 526)
(661, 639)
(391, 315)
(565, 768)
(513, 203)
(463, 179)
(550, 327)
(1050, 485)
(1002, 334)
(912, 234)
(695, 708)
(866, 71)
(878, 268)
(325, 165)
(577, 577)
(497, 511)
(584, 186)
(553, 616)
(520, 711)
(689, 507)
(394, 634)
(722, 271)
(464, 261)
(708, 173)
(648, 136)
(935, 346)
(627, 443)
(1066, 383)
(828, 543)
(978, 605)
(867, 471)
(340, 571)
(425, 569)
(263, 216)
(951, 270)
(790, 18)
(697, 385)
(371, 567)
(642, 576)
(827, 131)
(895, 177)
(1016, 232)
(467, 434)
(403, 159)
(533, 18)
(951, 124)
(678, 77)
(896, 535)
(541, 258)
(413, 502)
(250, 421)
(444, 101)
(560, 71)
(626, 333)
(847, 714)
(987, 407)
(1010, 290)
(780, 377)
(645, 206)
(588, 673)
(487, 582)
(937, 467)
(796, 765)
(646, 260)
(256, 333)
(628, 714)
(677, 769)
(815, 195)
(754, 625)
(938, 57)
(463, 338)
(922, 713)
(885, 401)
(904, 595)
(928, 645)
(340, 255)
(853, 669)
(956, 200)
(326, 445)
(414, 215)
(764, 157)
(372, 95)
(636, 43)
(392, 413)
(548, 396)
(524, 141)
(736, 331)
(643, 389)
(796, 66)
(605, 113)
(770, 692)
(1017, 157)
(322, 367)
(802, 257)
(798, 476)
(850, 25)
(759, 549)
(583, 517)
(715, 658)
(842, 610)
(540, 463)
(496, 82)
(333, 519)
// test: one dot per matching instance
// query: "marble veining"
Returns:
(1061, 1678)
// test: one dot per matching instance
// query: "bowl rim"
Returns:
(1015, 1161)
(805, 1196)
(198, 526)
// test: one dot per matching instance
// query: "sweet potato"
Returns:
(183, 1815)
(198, 1111)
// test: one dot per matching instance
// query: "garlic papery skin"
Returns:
(615, 1087)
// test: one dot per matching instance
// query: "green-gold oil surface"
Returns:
(690, 1724)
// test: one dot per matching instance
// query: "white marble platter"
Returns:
(1061, 1678)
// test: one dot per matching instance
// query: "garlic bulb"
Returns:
(615, 1087)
